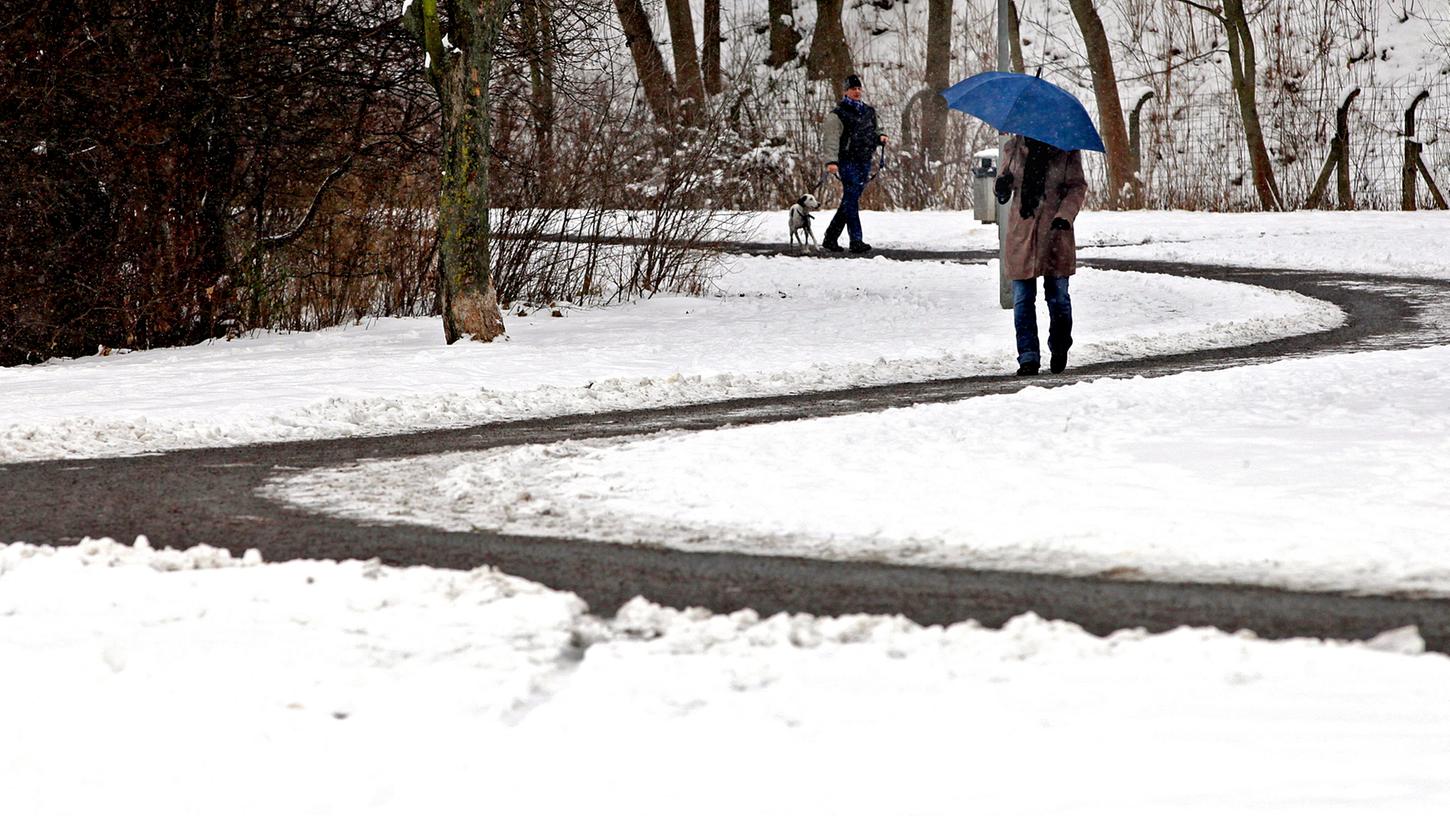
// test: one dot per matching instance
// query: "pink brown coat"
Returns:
(1033, 248)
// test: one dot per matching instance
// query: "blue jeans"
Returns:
(853, 181)
(1024, 317)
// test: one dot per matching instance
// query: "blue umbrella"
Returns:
(1018, 103)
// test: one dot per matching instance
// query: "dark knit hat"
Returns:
(853, 81)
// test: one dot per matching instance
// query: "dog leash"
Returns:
(880, 165)
(821, 182)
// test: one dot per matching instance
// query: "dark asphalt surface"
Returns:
(209, 496)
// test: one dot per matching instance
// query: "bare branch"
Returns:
(1206, 9)
(285, 238)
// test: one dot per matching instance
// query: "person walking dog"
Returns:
(1049, 187)
(850, 136)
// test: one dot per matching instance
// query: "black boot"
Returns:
(831, 241)
(1059, 361)
(1028, 369)
(860, 247)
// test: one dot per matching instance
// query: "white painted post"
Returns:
(1004, 63)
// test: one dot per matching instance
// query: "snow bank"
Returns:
(775, 326)
(174, 683)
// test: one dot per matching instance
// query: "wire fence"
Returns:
(1194, 153)
(1193, 150)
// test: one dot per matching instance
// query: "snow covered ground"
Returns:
(177, 683)
(1321, 474)
(174, 683)
(774, 326)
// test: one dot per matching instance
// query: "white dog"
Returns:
(800, 222)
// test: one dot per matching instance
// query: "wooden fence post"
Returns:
(1338, 159)
(1415, 163)
(1135, 149)
(1411, 169)
(1135, 131)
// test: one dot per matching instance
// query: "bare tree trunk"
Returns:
(783, 36)
(543, 57)
(682, 43)
(1242, 60)
(1243, 63)
(470, 306)
(830, 55)
(1122, 187)
(1014, 36)
(659, 87)
(710, 48)
(938, 69)
(218, 149)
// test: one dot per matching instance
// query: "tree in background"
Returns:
(459, 73)
(688, 79)
(542, 55)
(783, 37)
(649, 65)
(1014, 36)
(830, 55)
(1122, 184)
(710, 48)
(155, 153)
(1242, 60)
(938, 77)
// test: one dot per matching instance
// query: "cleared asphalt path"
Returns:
(209, 496)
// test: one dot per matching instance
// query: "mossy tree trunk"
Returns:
(460, 77)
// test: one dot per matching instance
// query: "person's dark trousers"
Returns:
(848, 215)
(1024, 317)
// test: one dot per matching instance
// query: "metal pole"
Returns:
(1004, 63)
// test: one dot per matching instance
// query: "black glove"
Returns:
(1061, 224)
(1003, 188)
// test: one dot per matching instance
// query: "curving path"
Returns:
(187, 497)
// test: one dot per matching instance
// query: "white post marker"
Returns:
(1004, 63)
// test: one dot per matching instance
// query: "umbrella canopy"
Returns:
(1018, 103)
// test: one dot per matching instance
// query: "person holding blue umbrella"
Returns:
(1041, 173)
(1047, 187)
